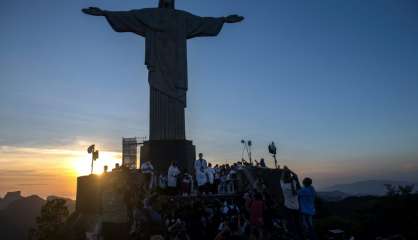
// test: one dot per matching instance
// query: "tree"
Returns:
(391, 190)
(406, 190)
(50, 222)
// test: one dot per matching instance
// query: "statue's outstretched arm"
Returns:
(94, 11)
(120, 21)
(233, 18)
(207, 26)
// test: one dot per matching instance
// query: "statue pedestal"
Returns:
(162, 152)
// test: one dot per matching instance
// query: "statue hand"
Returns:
(94, 11)
(234, 18)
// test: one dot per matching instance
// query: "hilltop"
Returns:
(366, 188)
(18, 214)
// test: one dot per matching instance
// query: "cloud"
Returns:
(28, 150)
(32, 184)
(24, 173)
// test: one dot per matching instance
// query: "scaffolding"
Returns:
(130, 151)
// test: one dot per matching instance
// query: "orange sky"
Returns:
(334, 88)
(48, 171)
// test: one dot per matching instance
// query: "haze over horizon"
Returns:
(334, 83)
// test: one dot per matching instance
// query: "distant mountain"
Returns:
(363, 188)
(333, 196)
(18, 214)
(19, 217)
(9, 198)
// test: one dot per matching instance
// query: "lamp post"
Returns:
(94, 155)
(247, 147)
(250, 143)
(273, 150)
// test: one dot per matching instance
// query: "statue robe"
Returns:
(166, 32)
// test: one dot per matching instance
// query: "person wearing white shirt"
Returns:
(162, 183)
(147, 167)
(231, 180)
(290, 197)
(148, 170)
(210, 172)
(201, 180)
(172, 175)
(290, 184)
(200, 164)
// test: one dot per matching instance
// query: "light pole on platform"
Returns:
(273, 150)
(94, 155)
(247, 147)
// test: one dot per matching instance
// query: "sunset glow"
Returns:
(49, 170)
(335, 88)
(82, 164)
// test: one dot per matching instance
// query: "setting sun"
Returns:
(82, 164)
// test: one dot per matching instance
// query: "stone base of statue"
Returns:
(162, 152)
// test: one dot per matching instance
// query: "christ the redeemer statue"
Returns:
(166, 31)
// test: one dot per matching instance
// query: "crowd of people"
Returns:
(206, 205)
(205, 180)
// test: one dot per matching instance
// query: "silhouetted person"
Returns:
(172, 178)
(262, 163)
(148, 170)
(210, 173)
(307, 197)
(257, 208)
(289, 185)
(200, 164)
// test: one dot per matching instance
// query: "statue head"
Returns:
(167, 4)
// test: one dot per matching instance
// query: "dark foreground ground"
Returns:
(370, 217)
(362, 217)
